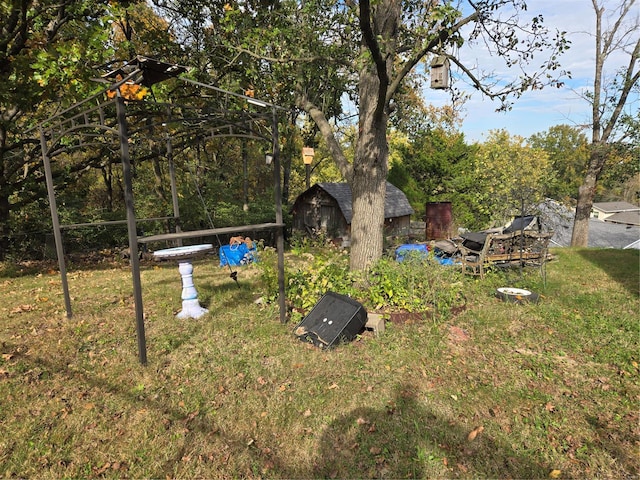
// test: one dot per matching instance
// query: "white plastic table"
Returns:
(184, 255)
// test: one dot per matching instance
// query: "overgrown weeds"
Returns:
(418, 284)
(492, 390)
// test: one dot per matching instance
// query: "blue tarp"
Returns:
(238, 254)
(422, 249)
(403, 250)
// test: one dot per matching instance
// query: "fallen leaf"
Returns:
(333, 386)
(362, 421)
(375, 450)
(307, 413)
(23, 308)
(474, 433)
(549, 407)
(555, 473)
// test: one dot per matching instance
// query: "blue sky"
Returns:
(539, 110)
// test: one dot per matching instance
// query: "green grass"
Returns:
(553, 386)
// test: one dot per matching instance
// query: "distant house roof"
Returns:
(615, 207)
(396, 203)
(626, 218)
(559, 218)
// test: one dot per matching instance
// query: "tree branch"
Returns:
(326, 130)
(630, 79)
(442, 36)
(371, 42)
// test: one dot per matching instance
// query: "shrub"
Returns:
(418, 284)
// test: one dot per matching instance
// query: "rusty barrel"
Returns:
(438, 220)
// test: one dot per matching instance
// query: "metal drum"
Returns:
(438, 220)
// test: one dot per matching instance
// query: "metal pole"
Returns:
(174, 188)
(279, 220)
(131, 227)
(245, 176)
(308, 174)
(57, 234)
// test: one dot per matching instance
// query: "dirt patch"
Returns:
(408, 318)
(457, 335)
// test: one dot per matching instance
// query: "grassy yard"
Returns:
(496, 389)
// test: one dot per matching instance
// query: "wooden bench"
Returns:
(524, 247)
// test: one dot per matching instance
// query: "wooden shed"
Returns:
(328, 207)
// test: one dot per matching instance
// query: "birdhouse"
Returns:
(440, 72)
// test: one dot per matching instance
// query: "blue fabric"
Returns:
(237, 255)
(402, 250)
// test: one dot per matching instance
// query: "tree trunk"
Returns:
(586, 194)
(368, 181)
(367, 224)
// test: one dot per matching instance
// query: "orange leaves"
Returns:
(474, 433)
(129, 91)
(23, 308)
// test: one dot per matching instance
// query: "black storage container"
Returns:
(335, 319)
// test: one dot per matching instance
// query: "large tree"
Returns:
(394, 37)
(617, 33)
(323, 54)
(45, 47)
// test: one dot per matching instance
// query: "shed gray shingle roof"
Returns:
(396, 203)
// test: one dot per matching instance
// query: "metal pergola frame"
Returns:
(99, 119)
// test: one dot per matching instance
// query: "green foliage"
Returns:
(437, 165)
(621, 175)
(418, 284)
(568, 151)
(511, 176)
